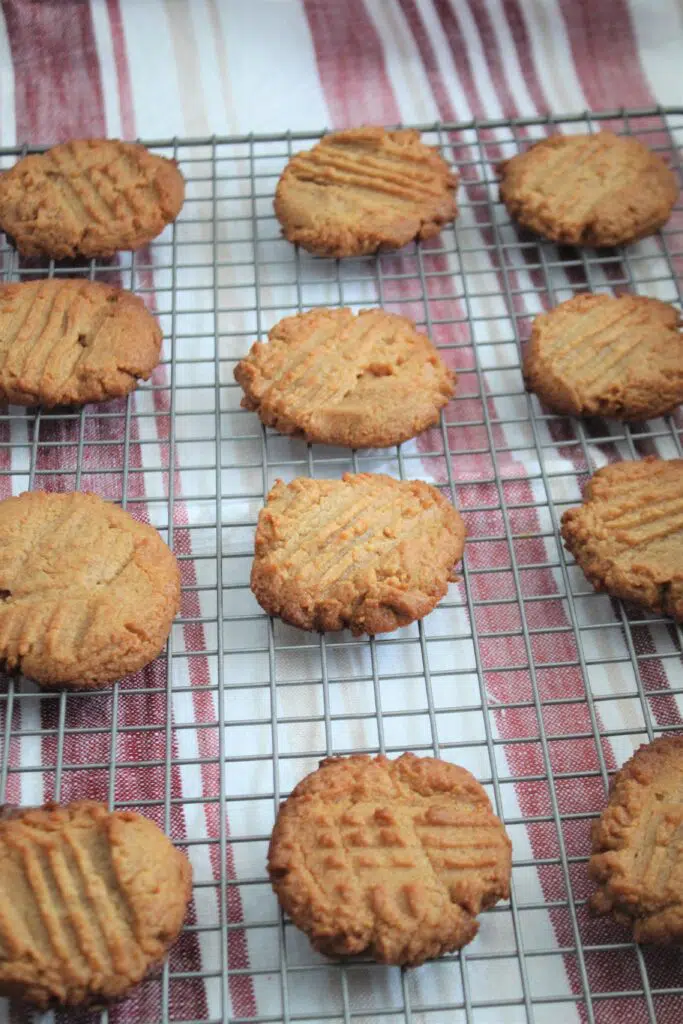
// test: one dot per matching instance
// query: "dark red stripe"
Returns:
(447, 111)
(122, 70)
(605, 54)
(457, 44)
(12, 794)
(489, 43)
(351, 64)
(513, 15)
(57, 84)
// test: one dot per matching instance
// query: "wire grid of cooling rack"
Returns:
(522, 674)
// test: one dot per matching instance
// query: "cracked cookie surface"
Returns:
(90, 900)
(637, 857)
(392, 858)
(365, 189)
(596, 355)
(87, 593)
(594, 190)
(65, 341)
(90, 198)
(367, 552)
(627, 536)
(364, 381)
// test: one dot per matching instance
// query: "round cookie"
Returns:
(87, 593)
(366, 552)
(67, 341)
(627, 536)
(637, 856)
(89, 197)
(365, 189)
(596, 355)
(389, 858)
(90, 900)
(362, 381)
(595, 190)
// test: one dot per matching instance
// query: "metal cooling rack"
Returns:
(523, 674)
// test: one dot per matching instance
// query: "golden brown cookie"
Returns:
(87, 593)
(367, 552)
(89, 197)
(90, 900)
(595, 190)
(637, 856)
(365, 189)
(601, 356)
(65, 341)
(363, 381)
(628, 534)
(390, 858)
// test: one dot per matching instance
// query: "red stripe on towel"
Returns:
(57, 84)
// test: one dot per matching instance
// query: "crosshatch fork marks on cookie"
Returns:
(396, 858)
(352, 159)
(598, 355)
(104, 189)
(367, 551)
(362, 381)
(91, 197)
(81, 186)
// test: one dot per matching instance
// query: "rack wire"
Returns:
(523, 674)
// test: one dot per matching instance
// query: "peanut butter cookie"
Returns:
(87, 593)
(601, 356)
(65, 341)
(628, 534)
(90, 900)
(390, 858)
(638, 845)
(365, 189)
(363, 381)
(89, 197)
(595, 190)
(365, 552)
